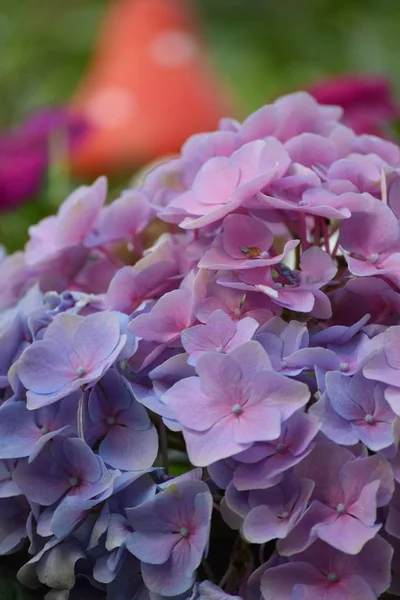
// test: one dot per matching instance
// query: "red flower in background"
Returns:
(24, 153)
(368, 103)
(150, 86)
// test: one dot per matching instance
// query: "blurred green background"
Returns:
(262, 47)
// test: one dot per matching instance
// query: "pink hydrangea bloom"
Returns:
(220, 334)
(232, 400)
(320, 572)
(367, 101)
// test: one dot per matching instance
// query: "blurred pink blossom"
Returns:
(24, 153)
(367, 101)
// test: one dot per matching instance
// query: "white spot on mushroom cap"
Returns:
(111, 107)
(173, 49)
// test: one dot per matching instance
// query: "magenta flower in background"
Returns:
(24, 153)
(367, 101)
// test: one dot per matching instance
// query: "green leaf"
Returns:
(177, 469)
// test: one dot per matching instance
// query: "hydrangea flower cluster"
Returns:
(259, 336)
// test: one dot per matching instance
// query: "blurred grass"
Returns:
(269, 47)
(262, 47)
(44, 45)
(10, 588)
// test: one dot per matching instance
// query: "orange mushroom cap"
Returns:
(149, 87)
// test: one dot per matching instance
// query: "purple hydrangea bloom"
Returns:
(385, 365)
(322, 572)
(370, 239)
(347, 354)
(72, 225)
(8, 486)
(257, 334)
(344, 501)
(128, 582)
(19, 277)
(167, 319)
(236, 304)
(25, 433)
(392, 525)
(231, 401)
(162, 378)
(354, 409)
(219, 334)
(124, 219)
(315, 200)
(66, 467)
(274, 511)
(130, 286)
(280, 340)
(264, 463)
(74, 351)
(126, 490)
(18, 327)
(171, 535)
(223, 184)
(128, 438)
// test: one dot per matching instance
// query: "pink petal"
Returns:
(216, 180)
(192, 407)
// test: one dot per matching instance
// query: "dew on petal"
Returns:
(173, 49)
(374, 257)
(81, 371)
(184, 531)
